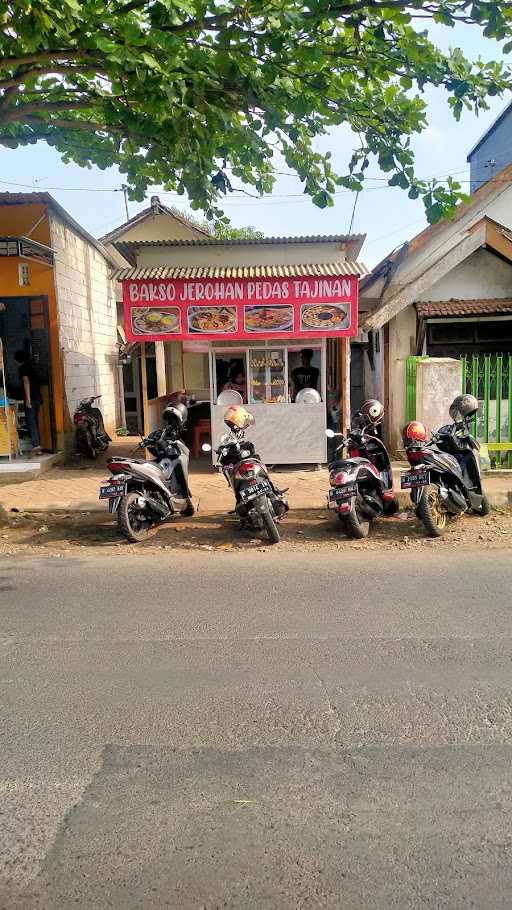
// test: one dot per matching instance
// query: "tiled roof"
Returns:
(343, 267)
(250, 241)
(488, 307)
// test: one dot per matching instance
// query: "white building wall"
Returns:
(87, 321)
(243, 254)
(482, 275)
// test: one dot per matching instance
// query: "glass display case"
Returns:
(268, 371)
(285, 431)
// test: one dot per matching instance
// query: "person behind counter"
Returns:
(305, 376)
(237, 382)
(31, 395)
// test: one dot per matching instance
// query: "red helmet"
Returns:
(372, 411)
(414, 432)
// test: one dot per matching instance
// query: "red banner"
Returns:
(240, 308)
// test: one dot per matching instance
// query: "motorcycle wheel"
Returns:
(485, 508)
(270, 526)
(131, 526)
(392, 507)
(355, 525)
(85, 444)
(431, 513)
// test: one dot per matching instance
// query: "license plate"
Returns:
(112, 489)
(341, 494)
(248, 493)
(414, 479)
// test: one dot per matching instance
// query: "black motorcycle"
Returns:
(259, 504)
(361, 486)
(445, 478)
(91, 436)
(146, 493)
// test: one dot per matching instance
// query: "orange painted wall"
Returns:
(41, 284)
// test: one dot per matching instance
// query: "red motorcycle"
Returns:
(259, 504)
(362, 484)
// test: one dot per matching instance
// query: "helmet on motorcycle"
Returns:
(175, 415)
(238, 418)
(413, 433)
(372, 411)
(463, 407)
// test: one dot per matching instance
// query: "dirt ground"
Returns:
(302, 530)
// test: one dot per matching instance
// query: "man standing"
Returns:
(31, 395)
(305, 376)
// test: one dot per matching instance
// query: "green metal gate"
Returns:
(410, 387)
(489, 378)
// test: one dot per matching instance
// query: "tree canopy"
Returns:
(198, 96)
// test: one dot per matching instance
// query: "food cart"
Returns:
(265, 336)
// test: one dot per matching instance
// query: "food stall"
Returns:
(265, 337)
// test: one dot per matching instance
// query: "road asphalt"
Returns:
(278, 730)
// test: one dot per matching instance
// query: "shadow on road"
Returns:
(301, 529)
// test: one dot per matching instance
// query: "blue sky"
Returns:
(385, 214)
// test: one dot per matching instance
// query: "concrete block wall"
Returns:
(87, 321)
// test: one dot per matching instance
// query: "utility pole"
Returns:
(125, 194)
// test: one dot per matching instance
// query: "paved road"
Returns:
(263, 731)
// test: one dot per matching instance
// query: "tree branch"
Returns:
(43, 56)
(64, 70)
(87, 125)
(21, 110)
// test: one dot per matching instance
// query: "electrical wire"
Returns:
(273, 198)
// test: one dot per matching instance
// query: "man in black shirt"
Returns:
(31, 395)
(305, 376)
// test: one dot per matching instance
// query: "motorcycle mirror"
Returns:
(206, 447)
(330, 433)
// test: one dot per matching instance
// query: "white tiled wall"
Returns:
(87, 321)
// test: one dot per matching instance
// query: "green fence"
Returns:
(410, 387)
(489, 378)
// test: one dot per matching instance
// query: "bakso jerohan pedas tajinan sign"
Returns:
(242, 308)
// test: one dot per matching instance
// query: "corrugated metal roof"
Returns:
(489, 307)
(249, 241)
(344, 267)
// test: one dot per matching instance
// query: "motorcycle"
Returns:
(259, 504)
(445, 478)
(361, 486)
(146, 493)
(91, 436)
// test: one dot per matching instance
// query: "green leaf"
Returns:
(173, 103)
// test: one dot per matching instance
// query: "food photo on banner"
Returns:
(244, 308)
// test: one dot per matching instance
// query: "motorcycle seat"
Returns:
(130, 461)
(340, 463)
